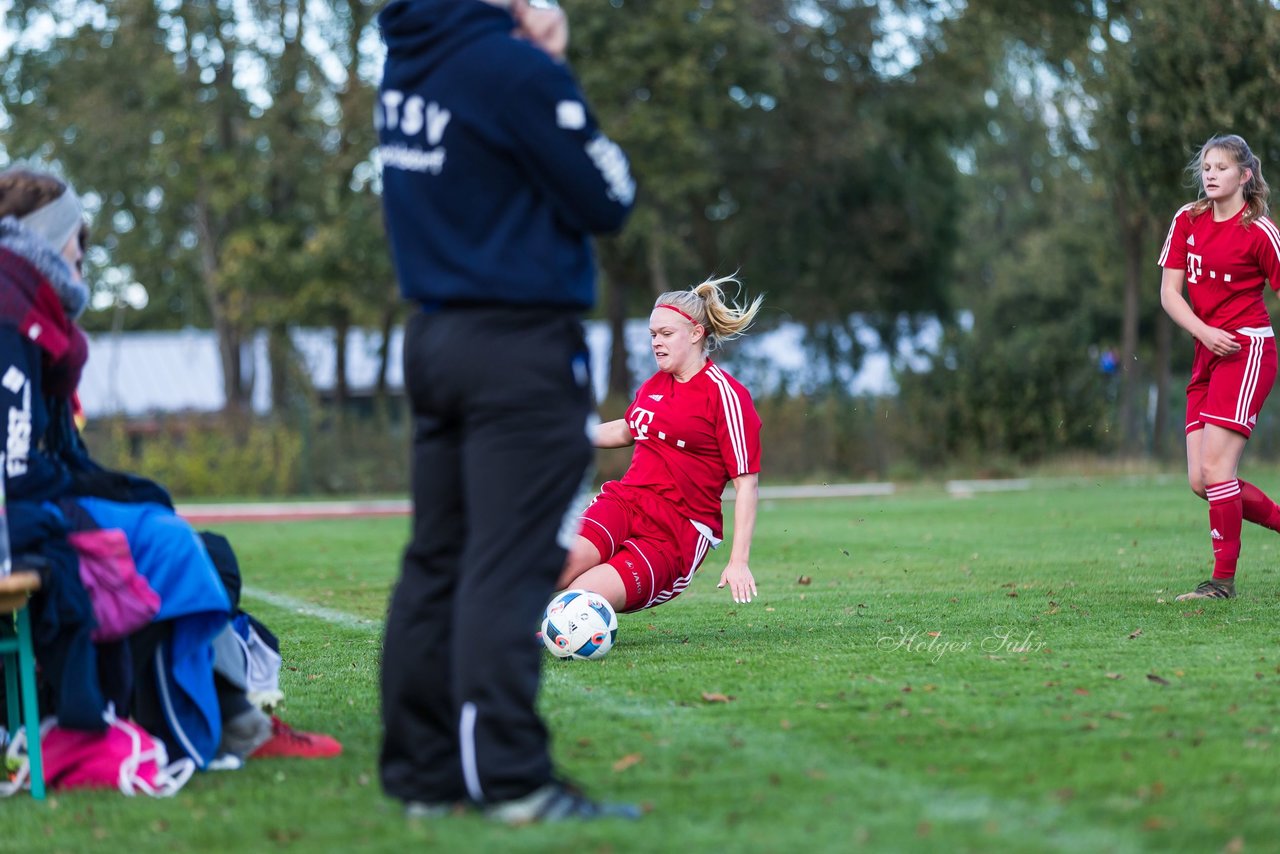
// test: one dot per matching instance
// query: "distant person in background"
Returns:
(695, 429)
(495, 175)
(1223, 249)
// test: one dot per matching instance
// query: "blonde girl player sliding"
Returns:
(694, 429)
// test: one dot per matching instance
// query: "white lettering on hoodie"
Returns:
(418, 121)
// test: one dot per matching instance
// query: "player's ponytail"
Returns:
(1256, 192)
(707, 305)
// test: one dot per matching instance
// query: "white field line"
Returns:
(306, 609)
(1063, 831)
(203, 514)
(970, 488)
(213, 513)
(825, 490)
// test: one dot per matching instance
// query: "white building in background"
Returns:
(137, 374)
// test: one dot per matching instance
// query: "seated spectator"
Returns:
(166, 674)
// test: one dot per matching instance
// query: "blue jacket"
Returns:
(494, 172)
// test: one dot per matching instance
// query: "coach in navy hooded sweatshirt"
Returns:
(494, 177)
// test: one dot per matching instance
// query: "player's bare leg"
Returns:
(1219, 450)
(583, 570)
(605, 581)
(581, 557)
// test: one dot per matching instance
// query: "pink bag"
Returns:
(123, 601)
(124, 757)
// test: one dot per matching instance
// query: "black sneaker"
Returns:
(1214, 588)
(557, 801)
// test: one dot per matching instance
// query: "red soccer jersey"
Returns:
(1226, 265)
(693, 438)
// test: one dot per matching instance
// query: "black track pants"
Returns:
(500, 399)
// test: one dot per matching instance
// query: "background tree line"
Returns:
(1006, 167)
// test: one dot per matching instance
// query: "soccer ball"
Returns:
(579, 624)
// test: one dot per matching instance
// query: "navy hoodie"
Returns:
(494, 172)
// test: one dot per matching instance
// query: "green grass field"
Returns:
(920, 673)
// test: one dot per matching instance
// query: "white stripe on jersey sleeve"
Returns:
(1273, 234)
(1168, 238)
(732, 417)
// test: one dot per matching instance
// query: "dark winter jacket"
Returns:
(495, 173)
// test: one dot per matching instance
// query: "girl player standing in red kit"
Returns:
(694, 429)
(1223, 247)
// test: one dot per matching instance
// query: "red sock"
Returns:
(1258, 508)
(1226, 512)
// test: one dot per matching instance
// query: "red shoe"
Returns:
(287, 741)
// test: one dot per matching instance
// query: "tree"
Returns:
(661, 76)
(222, 153)
(768, 137)
(1034, 273)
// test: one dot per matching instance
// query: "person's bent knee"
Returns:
(582, 555)
(1196, 482)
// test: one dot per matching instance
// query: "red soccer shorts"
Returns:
(654, 549)
(1229, 391)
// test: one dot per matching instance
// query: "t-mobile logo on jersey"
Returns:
(639, 423)
(1194, 267)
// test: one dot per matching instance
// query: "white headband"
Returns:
(57, 221)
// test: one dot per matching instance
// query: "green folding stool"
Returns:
(19, 660)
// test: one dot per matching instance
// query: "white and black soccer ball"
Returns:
(579, 624)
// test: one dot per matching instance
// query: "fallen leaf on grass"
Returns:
(1197, 612)
(1135, 634)
(712, 697)
(627, 761)
(804, 579)
(1115, 675)
(1159, 680)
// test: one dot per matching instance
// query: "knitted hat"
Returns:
(58, 221)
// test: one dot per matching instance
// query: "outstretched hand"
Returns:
(742, 584)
